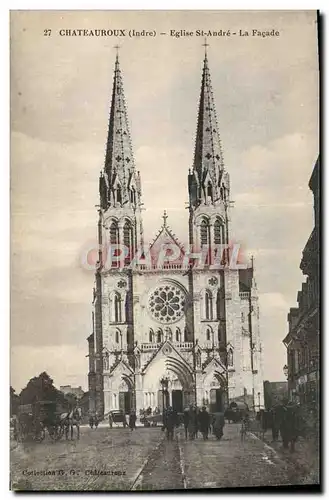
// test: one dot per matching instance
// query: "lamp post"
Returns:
(164, 383)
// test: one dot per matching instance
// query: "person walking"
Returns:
(110, 420)
(132, 420)
(170, 422)
(218, 425)
(186, 421)
(275, 421)
(91, 421)
(204, 422)
(192, 422)
(289, 427)
(96, 421)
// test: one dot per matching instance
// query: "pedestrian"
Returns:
(218, 425)
(170, 422)
(91, 421)
(275, 412)
(204, 422)
(192, 422)
(289, 426)
(186, 421)
(132, 420)
(110, 420)
(96, 421)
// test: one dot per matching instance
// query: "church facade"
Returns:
(171, 326)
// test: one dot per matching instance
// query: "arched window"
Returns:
(119, 195)
(159, 336)
(117, 309)
(178, 335)
(218, 232)
(218, 306)
(151, 335)
(209, 190)
(133, 196)
(208, 334)
(186, 335)
(230, 357)
(128, 240)
(208, 305)
(204, 232)
(114, 240)
(198, 359)
(117, 336)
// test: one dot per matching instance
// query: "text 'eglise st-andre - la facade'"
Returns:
(197, 327)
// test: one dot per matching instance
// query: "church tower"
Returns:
(208, 182)
(120, 237)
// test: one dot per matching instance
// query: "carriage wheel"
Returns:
(54, 432)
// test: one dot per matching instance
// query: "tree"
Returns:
(40, 388)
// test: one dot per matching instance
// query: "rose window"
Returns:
(166, 303)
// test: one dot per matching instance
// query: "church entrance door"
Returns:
(125, 401)
(216, 400)
(177, 400)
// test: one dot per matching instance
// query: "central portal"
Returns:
(177, 400)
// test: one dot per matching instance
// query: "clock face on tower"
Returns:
(166, 303)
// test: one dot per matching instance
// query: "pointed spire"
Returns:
(119, 161)
(208, 156)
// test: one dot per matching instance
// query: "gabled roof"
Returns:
(171, 353)
(213, 364)
(124, 365)
(166, 237)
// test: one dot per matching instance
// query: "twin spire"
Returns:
(208, 156)
(119, 168)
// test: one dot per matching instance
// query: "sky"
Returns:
(266, 94)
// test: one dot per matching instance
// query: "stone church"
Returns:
(167, 330)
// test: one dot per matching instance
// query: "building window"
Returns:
(133, 196)
(208, 334)
(208, 305)
(159, 336)
(117, 336)
(178, 335)
(209, 190)
(218, 232)
(119, 195)
(151, 335)
(117, 309)
(204, 232)
(128, 240)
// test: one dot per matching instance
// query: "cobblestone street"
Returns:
(144, 460)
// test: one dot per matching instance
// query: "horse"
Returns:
(70, 420)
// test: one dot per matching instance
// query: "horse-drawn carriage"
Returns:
(33, 420)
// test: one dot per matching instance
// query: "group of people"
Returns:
(195, 420)
(285, 419)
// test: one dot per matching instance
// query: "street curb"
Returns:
(138, 476)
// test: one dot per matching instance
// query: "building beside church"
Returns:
(303, 338)
(171, 325)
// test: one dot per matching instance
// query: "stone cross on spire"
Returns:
(165, 217)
